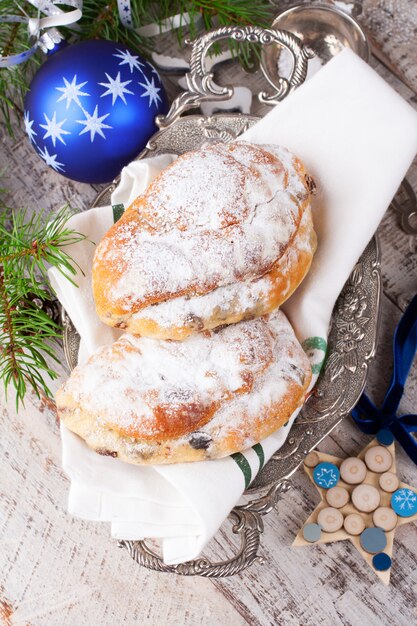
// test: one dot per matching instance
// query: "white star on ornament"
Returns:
(151, 90)
(50, 159)
(94, 124)
(28, 127)
(129, 59)
(116, 88)
(53, 129)
(72, 91)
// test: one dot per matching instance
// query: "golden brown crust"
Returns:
(148, 401)
(182, 450)
(278, 287)
(153, 271)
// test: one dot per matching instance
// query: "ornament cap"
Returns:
(52, 41)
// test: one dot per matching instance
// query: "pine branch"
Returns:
(27, 333)
(15, 80)
(101, 20)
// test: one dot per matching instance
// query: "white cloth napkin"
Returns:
(357, 137)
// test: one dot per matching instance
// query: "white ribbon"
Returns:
(125, 13)
(54, 17)
(57, 17)
(35, 24)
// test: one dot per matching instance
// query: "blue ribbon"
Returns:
(367, 416)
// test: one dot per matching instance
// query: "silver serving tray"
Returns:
(352, 335)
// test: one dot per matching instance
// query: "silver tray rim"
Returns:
(352, 351)
(321, 413)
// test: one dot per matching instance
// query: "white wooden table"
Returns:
(58, 570)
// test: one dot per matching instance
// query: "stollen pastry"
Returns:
(223, 234)
(149, 401)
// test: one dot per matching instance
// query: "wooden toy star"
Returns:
(403, 502)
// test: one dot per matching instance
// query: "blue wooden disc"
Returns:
(385, 437)
(381, 561)
(326, 475)
(311, 532)
(404, 502)
(373, 540)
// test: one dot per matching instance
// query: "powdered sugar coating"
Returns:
(222, 301)
(228, 381)
(214, 218)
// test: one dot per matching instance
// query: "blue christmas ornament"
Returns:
(91, 109)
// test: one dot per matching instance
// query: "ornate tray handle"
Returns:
(200, 83)
(247, 523)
